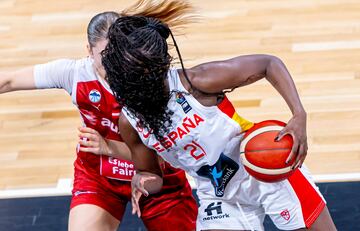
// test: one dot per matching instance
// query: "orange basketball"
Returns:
(263, 157)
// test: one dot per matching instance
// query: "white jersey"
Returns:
(204, 141)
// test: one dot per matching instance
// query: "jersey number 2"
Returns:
(196, 150)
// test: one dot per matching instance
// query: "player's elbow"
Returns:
(273, 62)
(6, 82)
(274, 68)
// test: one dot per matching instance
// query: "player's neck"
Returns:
(100, 72)
(100, 75)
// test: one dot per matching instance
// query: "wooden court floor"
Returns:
(319, 41)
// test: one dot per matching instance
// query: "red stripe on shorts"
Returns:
(311, 202)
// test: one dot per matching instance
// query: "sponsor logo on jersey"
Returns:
(220, 173)
(214, 212)
(285, 214)
(180, 99)
(108, 123)
(94, 96)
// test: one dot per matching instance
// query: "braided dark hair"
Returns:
(137, 61)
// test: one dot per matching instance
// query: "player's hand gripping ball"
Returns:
(263, 157)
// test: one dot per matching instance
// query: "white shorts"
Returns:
(291, 204)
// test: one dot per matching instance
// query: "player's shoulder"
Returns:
(75, 63)
(84, 69)
(82, 63)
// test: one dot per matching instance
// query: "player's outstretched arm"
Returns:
(55, 74)
(17, 80)
(243, 70)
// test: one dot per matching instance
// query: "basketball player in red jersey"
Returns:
(102, 185)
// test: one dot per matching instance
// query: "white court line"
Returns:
(355, 176)
(64, 186)
(325, 46)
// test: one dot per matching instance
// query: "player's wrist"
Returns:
(301, 113)
(108, 150)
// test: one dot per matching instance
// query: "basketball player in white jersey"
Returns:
(184, 116)
(102, 182)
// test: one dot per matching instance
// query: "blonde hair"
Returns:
(174, 13)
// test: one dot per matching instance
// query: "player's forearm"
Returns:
(118, 149)
(17, 80)
(280, 78)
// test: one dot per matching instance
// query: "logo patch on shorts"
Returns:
(214, 211)
(285, 214)
(94, 96)
(220, 173)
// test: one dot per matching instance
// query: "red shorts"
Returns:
(174, 206)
